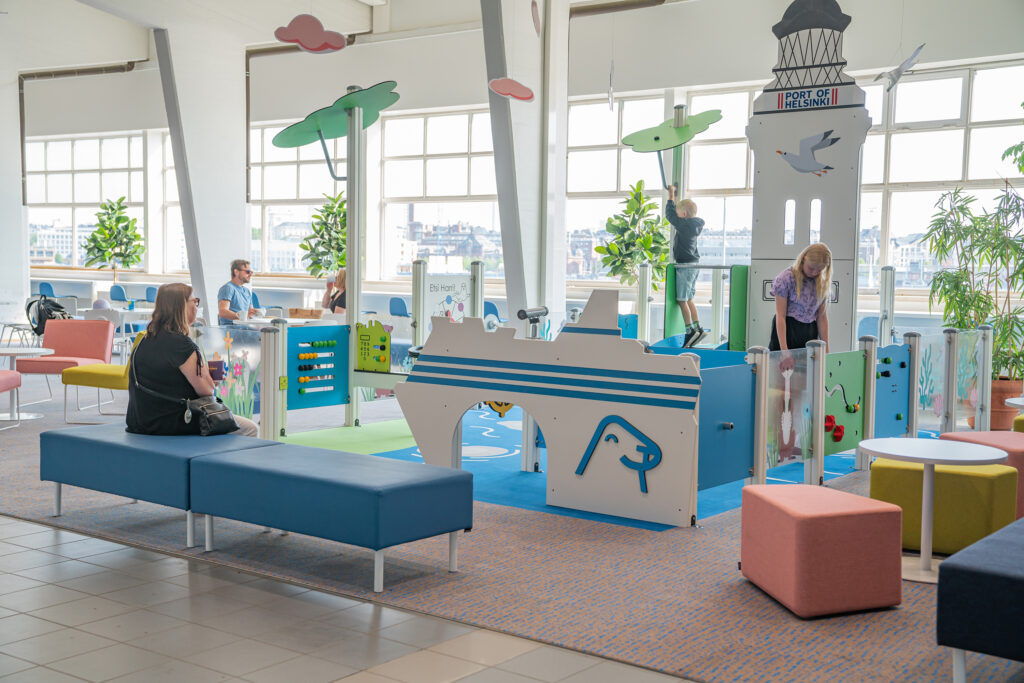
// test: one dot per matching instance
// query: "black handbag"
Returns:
(214, 417)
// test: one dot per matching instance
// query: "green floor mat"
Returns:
(375, 437)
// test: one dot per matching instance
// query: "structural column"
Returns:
(14, 286)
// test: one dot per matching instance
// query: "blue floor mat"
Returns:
(492, 451)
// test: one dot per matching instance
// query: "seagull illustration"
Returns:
(804, 162)
(897, 73)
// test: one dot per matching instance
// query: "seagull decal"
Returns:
(804, 161)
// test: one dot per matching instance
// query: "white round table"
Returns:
(13, 353)
(1017, 402)
(929, 452)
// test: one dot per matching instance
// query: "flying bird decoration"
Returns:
(804, 161)
(897, 73)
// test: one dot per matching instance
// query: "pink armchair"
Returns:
(74, 343)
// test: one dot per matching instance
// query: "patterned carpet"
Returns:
(672, 600)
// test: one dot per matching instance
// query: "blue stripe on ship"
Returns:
(593, 330)
(563, 369)
(551, 391)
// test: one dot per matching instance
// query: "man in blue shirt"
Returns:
(232, 297)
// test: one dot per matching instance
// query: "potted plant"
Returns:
(984, 280)
(639, 235)
(116, 241)
(326, 247)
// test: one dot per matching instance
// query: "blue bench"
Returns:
(981, 598)
(150, 468)
(360, 500)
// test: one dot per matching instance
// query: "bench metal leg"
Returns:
(190, 529)
(959, 665)
(453, 551)
(56, 499)
(378, 571)
(208, 532)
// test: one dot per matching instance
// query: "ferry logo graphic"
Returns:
(649, 451)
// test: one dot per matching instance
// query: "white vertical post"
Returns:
(56, 499)
(718, 327)
(420, 321)
(886, 304)
(190, 529)
(814, 468)
(378, 571)
(983, 411)
(959, 665)
(270, 373)
(869, 345)
(281, 425)
(913, 340)
(949, 382)
(208, 533)
(356, 191)
(531, 458)
(758, 355)
(453, 551)
(476, 279)
(643, 303)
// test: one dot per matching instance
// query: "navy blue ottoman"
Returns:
(981, 598)
(361, 500)
(150, 468)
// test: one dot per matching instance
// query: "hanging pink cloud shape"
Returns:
(508, 87)
(536, 16)
(307, 32)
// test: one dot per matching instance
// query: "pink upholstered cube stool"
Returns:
(1011, 442)
(821, 551)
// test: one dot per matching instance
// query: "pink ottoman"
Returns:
(1011, 442)
(821, 551)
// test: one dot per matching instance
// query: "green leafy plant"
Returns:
(116, 241)
(326, 247)
(639, 235)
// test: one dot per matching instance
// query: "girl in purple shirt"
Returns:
(801, 300)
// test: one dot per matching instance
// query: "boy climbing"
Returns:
(683, 217)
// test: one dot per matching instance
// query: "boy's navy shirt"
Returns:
(684, 246)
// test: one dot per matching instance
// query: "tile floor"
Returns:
(78, 608)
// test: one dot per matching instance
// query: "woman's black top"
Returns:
(338, 301)
(156, 363)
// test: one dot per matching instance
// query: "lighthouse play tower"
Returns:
(806, 133)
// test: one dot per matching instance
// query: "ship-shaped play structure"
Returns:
(620, 424)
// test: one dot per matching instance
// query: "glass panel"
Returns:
(256, 240)
(170, 186)
(593, 124)
(909, 216)
(873, 100)
(286, 227)
(789, 413)
(315, 151)
(114, 185)
(640, 166)
(446, 177)
(734, 114)
(403, 178)
(256, 184)
(138, 194)
(987, 146)
(279, 182)
(35, 156)
(869, 258)
(592, 171)
(726, 238)
(933, 100)
(717, 166)
(136, 151)
(403, 137)
(58, 155)
(239, 348)
(640, 114)
(968, 354)
(789, 227)
(315, 181)
(58, 188)
(87, 187)
(35, 188)
(175, 255)
(114, 152)
(49, 236)
(815, 221)
(997, 94)
(87, 154)
(482, 180)
(272, 153)
(168, 152)
(448, 235)
(85, 223)
(929, 383)
(585, 221)
(447, 134)
(872, 159)
(482, 140)
(916, 157)
(255, 145)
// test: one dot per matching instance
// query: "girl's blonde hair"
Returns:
(170, 309)
(339, 279)
(816, 254)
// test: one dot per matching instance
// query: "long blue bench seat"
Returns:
(151, 468)
(360, 500)
(981, 598)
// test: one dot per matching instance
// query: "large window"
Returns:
(66, 180)
(439, 193)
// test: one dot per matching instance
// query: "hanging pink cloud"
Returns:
(307, 32)
(536, 16)
(508, 87)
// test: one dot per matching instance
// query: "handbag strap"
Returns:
(131, 365)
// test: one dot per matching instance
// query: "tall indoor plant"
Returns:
(325, 248)
(116, 241)
(639, 235)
